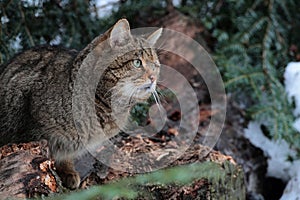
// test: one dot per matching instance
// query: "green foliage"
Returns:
(128, 187)
(25, 24)
(139, 113)
(253, 39)
(72, 24)
(137, 11)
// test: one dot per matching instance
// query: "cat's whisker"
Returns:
(161, 96)
(161, 81)
(162, 52)
(163, 99)
(132, 96)
(157, 96)
(121, 92)
(113, 92)
(158, 103)
(159, 93)
(125, 96)
(162, 46)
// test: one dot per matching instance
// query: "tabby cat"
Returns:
(36, 89)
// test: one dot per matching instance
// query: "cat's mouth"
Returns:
(150, 87)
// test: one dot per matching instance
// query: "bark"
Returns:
(26, 171)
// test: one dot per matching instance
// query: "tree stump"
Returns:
(26, 171)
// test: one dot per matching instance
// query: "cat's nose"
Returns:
(152, 78)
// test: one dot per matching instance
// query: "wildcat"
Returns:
(36, 89)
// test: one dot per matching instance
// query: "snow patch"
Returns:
(292, 190)
(15, 43)
(56, 40)
(278, 165)
(105, 7)
(292, 84)
(276, 151)
(297, 124)
(4, 20)
(279, 151)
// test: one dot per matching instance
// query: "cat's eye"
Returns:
(137, 63)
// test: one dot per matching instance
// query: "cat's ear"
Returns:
(152, 39)
(120, 34)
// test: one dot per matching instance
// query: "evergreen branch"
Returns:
(261, 111)
(256, 90)
(285, 124)
(253, 29)
(234, 47)
(242, 77)
(283, 6)
(25, 25)
(267, 42)
(275, 131)
(255, 4)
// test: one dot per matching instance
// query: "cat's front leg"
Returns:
(64, 147)
(66, 171)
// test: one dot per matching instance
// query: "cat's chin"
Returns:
(142, 99)
(143, 95)
(145, 91)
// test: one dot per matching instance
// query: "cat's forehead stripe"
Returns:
(147, 50)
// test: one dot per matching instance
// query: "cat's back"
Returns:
(36, 62)
(34, 84)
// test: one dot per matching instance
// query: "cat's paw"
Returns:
(69, 176)
(70, 180)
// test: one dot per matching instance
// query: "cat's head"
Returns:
(132, 76)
